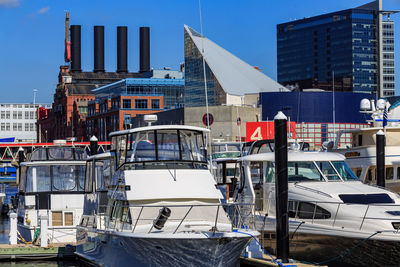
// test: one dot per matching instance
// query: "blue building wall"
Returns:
(314, 107)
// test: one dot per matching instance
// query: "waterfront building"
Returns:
(352, 48)
(229, 78)
(18, 121)
(115, 104)
(312, 110)
(67, 117)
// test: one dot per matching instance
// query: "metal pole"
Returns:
(380, 158)
(281, 187)
(93, 145)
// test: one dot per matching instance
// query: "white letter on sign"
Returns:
(257, 134)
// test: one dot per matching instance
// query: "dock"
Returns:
(29, 251)
(253, 262)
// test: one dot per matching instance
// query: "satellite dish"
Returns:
(365, 104)
(380, 104)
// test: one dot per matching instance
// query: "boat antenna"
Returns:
(205, 86)
(239, 124)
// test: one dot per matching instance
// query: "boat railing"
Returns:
(239, 216)
(316, 211)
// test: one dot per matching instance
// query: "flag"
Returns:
(385, 117)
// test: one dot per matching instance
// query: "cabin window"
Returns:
(256, 173)
(89, 177)
(303, 171)
(305, 210)
(103, 174)
(389, 173)
(54, 178)
(270, 172)
(344, 171)
(166, 145)
(327, 170)
(121, 149)
(359, 140)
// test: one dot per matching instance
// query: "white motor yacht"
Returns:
(51, 184)
(361, 155)
(333, 217)
(163, 206)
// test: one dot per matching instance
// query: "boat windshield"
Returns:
(344, 171)
(156, 147)
(50, 178)
(309, 171)
(58, 153)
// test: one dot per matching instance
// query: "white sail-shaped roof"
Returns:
(234, 75)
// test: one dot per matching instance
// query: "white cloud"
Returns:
(43, 10)
(9, 3)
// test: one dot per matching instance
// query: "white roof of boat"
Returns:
(235, 76)
(53, 162)
(296, 156)
(372, 129)
(161, 127)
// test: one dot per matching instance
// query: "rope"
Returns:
(272, 258)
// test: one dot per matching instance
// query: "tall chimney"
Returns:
(76, 48)
(122, 49)
(144, 49)
(98, 49)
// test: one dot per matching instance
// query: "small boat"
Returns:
(152, 201)
(51, 184)
(333, 217)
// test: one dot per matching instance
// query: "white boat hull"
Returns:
(106, 249)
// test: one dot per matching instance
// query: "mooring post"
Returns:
(380, 158)
(281, 187)
(93, 145)
(21, 155)
(13, 229)
(44, 222)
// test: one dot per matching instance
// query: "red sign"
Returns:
(265, 130)
(210, 119)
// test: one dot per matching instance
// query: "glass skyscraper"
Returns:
(340, 45)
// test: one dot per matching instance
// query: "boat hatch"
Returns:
(366, 198)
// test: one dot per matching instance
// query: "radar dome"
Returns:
(365, 104)
(380, 104)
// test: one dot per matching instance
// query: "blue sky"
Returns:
(32, 34)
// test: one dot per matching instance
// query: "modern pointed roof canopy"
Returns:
(235, 76)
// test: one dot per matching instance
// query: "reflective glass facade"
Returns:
(194, 78)
(343, 43)
(171, 89)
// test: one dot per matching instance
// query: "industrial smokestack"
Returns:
(76, 48)
(98, 49)
(144, 49)
(122, 49)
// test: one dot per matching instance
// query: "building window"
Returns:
(3, 126)
(155, 103)
(26, 127)
(126, 103)
(8, 126)
(15, 115)
(20, 127)
(15, 127)
(141, 103)
(32, 115)
(20, 115)
(8, 115)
